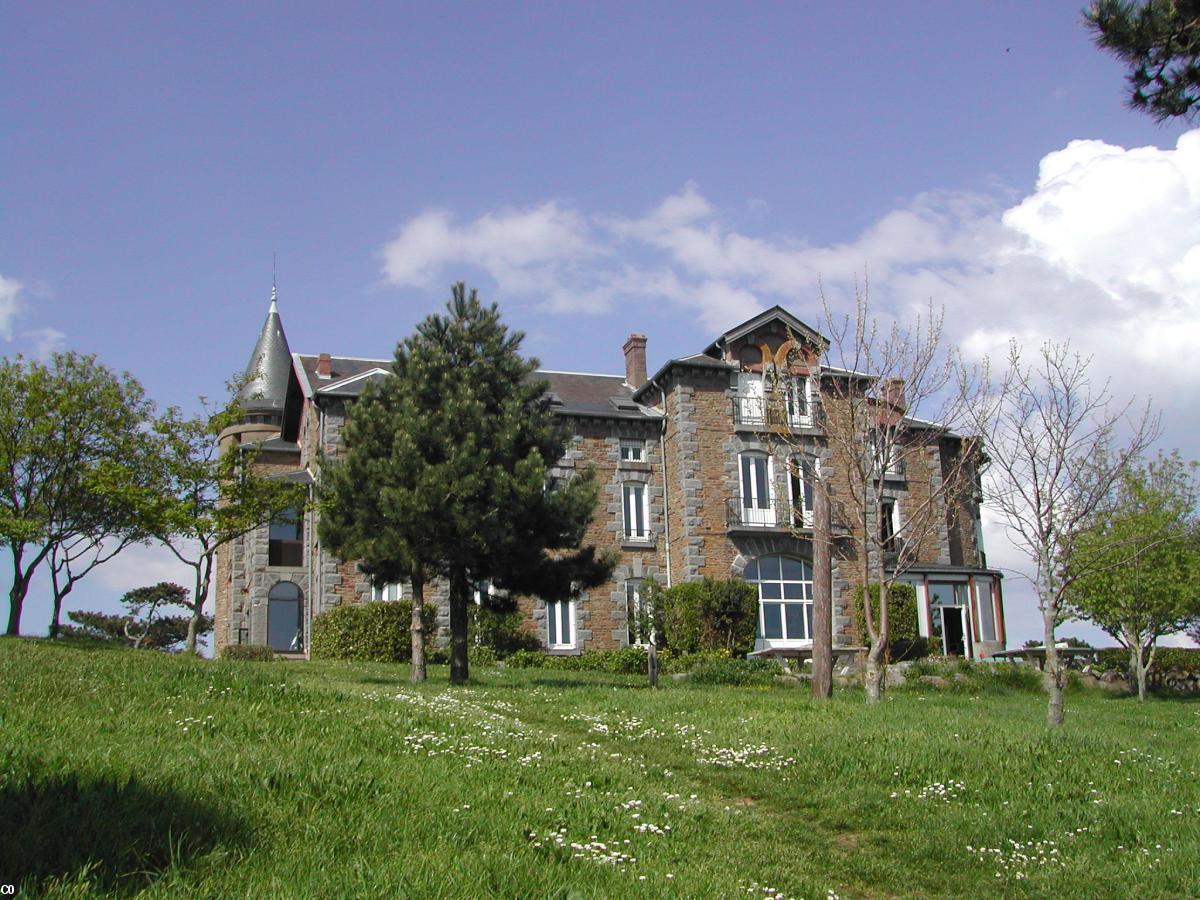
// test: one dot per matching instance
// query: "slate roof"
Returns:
(572, 393)
(270, 367)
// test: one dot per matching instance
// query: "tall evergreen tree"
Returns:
(446, 472)
(1160, 41)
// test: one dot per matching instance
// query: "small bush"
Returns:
(370, 632)
(904, 634)
(255, 652)
(500, 629)
(709, 615)
(735, 671)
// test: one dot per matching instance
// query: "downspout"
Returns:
(662, 450)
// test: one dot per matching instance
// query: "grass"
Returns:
(143, 774)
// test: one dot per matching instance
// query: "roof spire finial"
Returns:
(274, 286)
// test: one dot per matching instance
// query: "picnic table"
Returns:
(803, 653)
(1038, 654)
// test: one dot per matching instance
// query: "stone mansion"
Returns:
(692, 485)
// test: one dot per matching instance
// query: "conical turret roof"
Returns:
(270, 366)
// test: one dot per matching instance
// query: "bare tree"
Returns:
(1053, 442)
(899, 474)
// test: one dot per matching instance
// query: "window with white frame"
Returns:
(885, 455)
(987, 609)
(634, 511)
(784, 597)
(757, 492)
(801, 475)
(388, 592)
(633, 450)
(638, 614)
(560, 624)
(774, 400)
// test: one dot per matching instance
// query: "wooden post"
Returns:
(822, 658)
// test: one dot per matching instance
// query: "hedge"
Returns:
(370, 632)
(706, 666)
(709, 615)
(256, 652)
(904, 629)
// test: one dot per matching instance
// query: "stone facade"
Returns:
(686, 438)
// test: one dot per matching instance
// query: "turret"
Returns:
(265, 384)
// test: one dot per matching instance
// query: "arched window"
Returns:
(784, 597)
(285, 618)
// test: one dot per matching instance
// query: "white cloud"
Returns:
(10, 305)
(1105, 251)
(46, 341)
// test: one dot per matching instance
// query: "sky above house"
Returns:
(595, 169)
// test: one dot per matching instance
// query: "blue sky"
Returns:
(596, 169)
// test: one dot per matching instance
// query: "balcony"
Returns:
(782, 411)
(779, 514)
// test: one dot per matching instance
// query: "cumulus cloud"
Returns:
(10, 305)
(45, 341)
(1104, 250)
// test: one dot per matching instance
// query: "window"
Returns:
(948, 625)
(801, 474)
(284, 623)
(791, 399)
(634, 511)
(784, 597)
(285, 541)
(633, 450)
(987, 609)
(560, 623)
(889, 523)
(757, 491)
(773, 400)
(388, 592)
(637, 613)
(885, 456)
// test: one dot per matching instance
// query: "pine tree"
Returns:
(1160, 40)
(446, 473)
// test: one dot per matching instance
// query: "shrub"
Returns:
(500, 630)
(709, 615)
(369, 632)
(255, 652)
(904, 630)
(735, 671)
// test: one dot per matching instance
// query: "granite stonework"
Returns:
(692, 441)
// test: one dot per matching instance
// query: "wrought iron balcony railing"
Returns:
(777, 513)
(782, 411)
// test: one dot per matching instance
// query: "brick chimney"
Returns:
(635, 360)
(324, 366)
(893, 394)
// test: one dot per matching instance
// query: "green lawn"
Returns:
(140, 773)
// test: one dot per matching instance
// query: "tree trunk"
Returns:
(203, 574)
(652, 663)
(1054, 671)
(458, 627)
(417, 674)
(56, 614)
(822, 659)
(16, 595)
(874, 673)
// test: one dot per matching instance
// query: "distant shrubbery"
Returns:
(705, 666)
(253, 652)
(369, 632)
